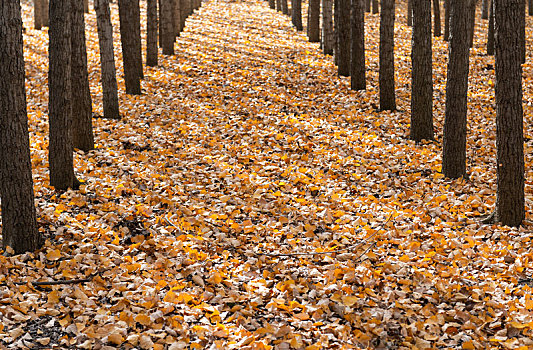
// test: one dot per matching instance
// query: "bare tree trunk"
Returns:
(278, 5)
(107, 59)
(60, 156)
(272, 4)
(485, 9)
(19, 223)
(375, 6)
(313, 26)
(410, 13)
(387, 98)
(357, 48)
(296, 14)
(490, 36)
(510, 207)
(522, 20)
(285, 7)
(336, 19)
(368, 5)
(151, 33)
(46, 11)
(436, 15)
(422, 73)
(327, 27)
(454, 140)
(86, 6)
(82, 127)
(176, 18)
(471, 11)
(129, 46)
(446, 20)
(343, 67)
(530, 7)
(166, 24)
(37, 14)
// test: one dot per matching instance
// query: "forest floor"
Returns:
(249, 200)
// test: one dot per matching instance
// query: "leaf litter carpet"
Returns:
(249, 200)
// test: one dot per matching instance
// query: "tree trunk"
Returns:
(327, 27)
(410, 13)
(368, 5)
(313, 26)
(436, 15)
(454, 139)
(485, 9)
(357, 48)
(82, 127)
(137, 41)
(446, 20)
(185, 11)
(272, 4)
(285, 7)
(490, 35)
(296, 14)
(151, 33)
(46, 11)
(471, 11)
(387, 99)
(278, 5)
(107, 59)
(176, 18)
(336, 19)
(37, 14)
(129, 45)
(86, 6)
(422, 73)
(375, 6)
(344, 38)
(530, 7)
(522, 20)
(60, 108)
(19, 224)
(166, 24)
(509, 114)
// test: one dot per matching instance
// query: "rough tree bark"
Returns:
(375, 6)
(387, 98)
(272, 4)
(422, 73)
(357, 48)
(19, 224)
(490, 35)
(530, 7)
(107, 59)
(60, 155)
(368, 5)
(510, 206)
(313, 26)
(46, 12)
(328, 41)
(471, 12)
(129, 45)
(167, 33)
(409, 13)
(37, 14)
(454, 140)
(278, 5)
(151, 33)
(296, 14)
(522, 20)
(446, 20)
(285, 7)
(485, 9)
(82, 126)
(86, 6)
(436, 18)
(344, 38)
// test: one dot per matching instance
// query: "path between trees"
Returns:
(244, 152)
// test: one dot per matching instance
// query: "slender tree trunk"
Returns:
(82, 127)
(530, 7)
(471, 11)
(187, 9)
(327, 27)
(285, 7)
(336, 19)
(485, 9)
(86, 6)
(510, 207)
(313, 26)
(422, 73)
(272, 4)
(107, 59)
(344, 38)
(357, 48)
(436, 15)
(129, 46)
(387, 98)
(296, 14)
(375, 6)
(410, 13)
(46, 11)
(446, 20)
(522, 20)
(454, 147)
(166, 24)
(37, 14)
(19, 224)
(176, 18)
(137, 41)
(368, 5)
(490, 36)
(59, 109)
(151, 33)
(160, 29)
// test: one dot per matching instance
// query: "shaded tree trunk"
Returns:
(86, 6)
(129, 45)
(409, 13)
(387, 98)
(471, 11)
(278, 5)
(422, 73)
(176, 18)
(446, 20)
(344, 38)
(490, 35)
(336, 19)
(37, 14)
(19, 223)
(530, 7)
(509, 114)
(107, 59)
(296, 14)
(454, 140)
(82, 127)
(313, 26)
(167, 33)
(60, 156)
(522, 20)
(272, 4)
(46, 11)
(368, 5)
(328, 40)
(357, 48)
(375, 6)
(151, 33)
(285, 7)
(436, 18)
(485, 9)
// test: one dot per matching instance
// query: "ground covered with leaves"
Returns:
(249, 200)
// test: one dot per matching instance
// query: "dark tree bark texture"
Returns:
(490, 35)
(167, 32)
(485, 9)
(375, 6)
(37, 14)
(296, 14)
(387, 98)
(422, 73)
(344, 37)
(328, 40)
(285, 7)
(313, 27)
(129, 45)
(510, 206)
(357, 65)
(454, 143)
(436, 18)
(151, 33)
(446, 20)
(409, 13)
(19, 224)
(272, 4)
(107, 59)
